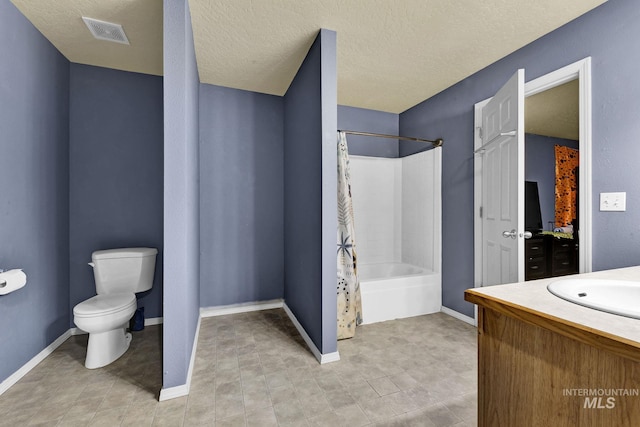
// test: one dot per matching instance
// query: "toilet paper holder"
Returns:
(12, 280)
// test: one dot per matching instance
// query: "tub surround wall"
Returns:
(241, 196)
(615, 132)
(310, 200)
(115, 176)
(421, 209)
(181, 199)
(397, 209)
(540, 166)
(396, 205)
(34, 206)
(376, 191)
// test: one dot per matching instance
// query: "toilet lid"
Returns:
(101, 305)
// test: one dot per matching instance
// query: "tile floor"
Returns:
(253, 369)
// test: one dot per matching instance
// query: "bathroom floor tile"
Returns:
(253, 369)
(377, 409)
(352, 416)
(81, 421)
(383, 386)
(265, 417)
(289, 412)
(108, 417)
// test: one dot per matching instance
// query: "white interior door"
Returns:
(503, 184)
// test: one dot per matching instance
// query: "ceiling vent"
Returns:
(106, 30)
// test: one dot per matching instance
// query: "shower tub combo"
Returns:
(397, 214)
(397, 290)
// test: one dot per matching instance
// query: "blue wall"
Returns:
(310, 205)
(181, 194)
(608, 34)
(116, 180)
(34, 189)
(364, 120)
(540, 166)
(241, 196)
(329, 100)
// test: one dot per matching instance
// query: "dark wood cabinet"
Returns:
(549, 256)
(563, 257)
(536, 262)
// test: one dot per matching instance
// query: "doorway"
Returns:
(580, 72)
(551, 145)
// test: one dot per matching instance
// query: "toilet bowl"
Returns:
(119, 274)
(105, 318)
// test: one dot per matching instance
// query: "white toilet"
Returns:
(119, 274)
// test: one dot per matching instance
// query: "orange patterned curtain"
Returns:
(566, 184)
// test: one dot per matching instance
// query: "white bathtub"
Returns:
(395, 291)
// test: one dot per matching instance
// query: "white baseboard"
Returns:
(268, 305)
(24, 370)
(153, 321)
(194, 349)
(183, 390)
(173, 392)
(245, 307)
(459, 316)
(322, 358)
(329, 357)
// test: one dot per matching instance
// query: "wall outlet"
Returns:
(613, 201)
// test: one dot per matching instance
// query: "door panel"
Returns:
(507, 207)
(503, 184)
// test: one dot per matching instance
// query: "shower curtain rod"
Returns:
(437, 143)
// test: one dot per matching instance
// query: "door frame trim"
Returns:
(580, 70)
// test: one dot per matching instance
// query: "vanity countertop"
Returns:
(531, 302)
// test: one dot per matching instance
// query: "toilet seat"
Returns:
(106, 304)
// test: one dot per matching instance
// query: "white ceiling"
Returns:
(392, 54)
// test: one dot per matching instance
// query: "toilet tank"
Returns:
(124, 270)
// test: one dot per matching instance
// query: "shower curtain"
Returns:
(567, 160)
(349, 304)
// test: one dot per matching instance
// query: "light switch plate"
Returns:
(613, 201)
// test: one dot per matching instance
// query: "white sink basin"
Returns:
(619, 297)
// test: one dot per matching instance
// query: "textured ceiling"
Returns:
(392, 54)
(60, 21)
(554, 112)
